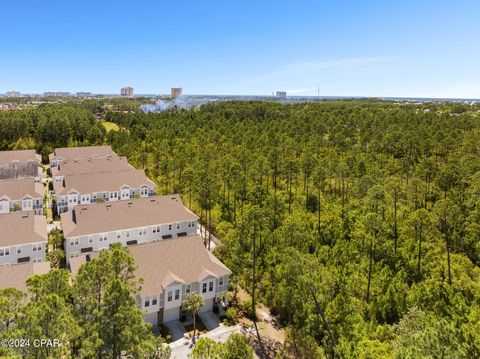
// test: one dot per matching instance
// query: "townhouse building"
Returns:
(90, 165)
(92, 227)
(88, 188)
(76, 153)
(23, 194)
(19, 164)
(16, 275)
(171, 270)
(23, 237)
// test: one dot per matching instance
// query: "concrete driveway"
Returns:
(177, 330)
(210, 320)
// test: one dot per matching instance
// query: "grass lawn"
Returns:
(110, 126)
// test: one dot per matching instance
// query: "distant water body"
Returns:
(191, 101)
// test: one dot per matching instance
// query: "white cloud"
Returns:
(313, 67)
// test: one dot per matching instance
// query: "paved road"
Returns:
(202, 231)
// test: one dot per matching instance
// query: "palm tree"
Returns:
(193, 304)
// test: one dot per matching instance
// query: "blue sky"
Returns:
(420, 48)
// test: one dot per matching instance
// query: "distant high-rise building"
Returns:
(56, 94)
(175, 92)
(13, 94)
(84, 94)
(281, 95)
(126, 91)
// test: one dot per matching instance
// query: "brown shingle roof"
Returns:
(16, 189)
(118, 215)
(22, 228)
(71, 153)
(160, 263)
(22, 156)
(92, 165)
(15, 275)
(101, 182)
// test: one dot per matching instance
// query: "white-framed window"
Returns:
(147, 302)
(37, 260)
(220, 281)
(127, 234)
(156, 229)
(4, 252)
(204, 288)
(178, 225)
(103, 237)
(73, 242)
(74, 255)
(90, 239)
(210, 286)
(142, 231)
(177, 294)
(19, 250)
(154, 300)
(188, 288)
(119, 235)
(169, 227)
(169, 296)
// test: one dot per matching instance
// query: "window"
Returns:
(220, 281)
(73, 242)
(37, 260)
(188, 288)
(210, 286)
(177, 294)
(74, 255)
(90, 239)
(103, 237)
(4, 252)
(19, 250)
(156, 229)
(169, 227)
(147, 302)
(178, 225)
(154, 300)
(169, 298)
(204, 288)
(142, 231)
(127, 234)
(119, 235)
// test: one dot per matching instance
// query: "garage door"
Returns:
(171, 314)
(151, 318)
(208, 306)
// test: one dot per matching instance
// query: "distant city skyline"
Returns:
(347, 48)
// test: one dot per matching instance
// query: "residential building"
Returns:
(90, 165)
(16, 275)
(19, 164)
(89, 228)
(171, 270)
(23, 237)
(281, 95)
(126, 91)
(83, 94)
(76, 153)
(24, 194)
(101, 187)
(12, 94)
(176, 92)
(57, 94)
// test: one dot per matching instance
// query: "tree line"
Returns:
(356, 222)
